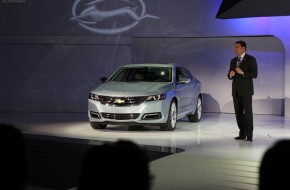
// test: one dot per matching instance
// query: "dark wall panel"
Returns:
(177, 18)
(55, 78)
(52, 18)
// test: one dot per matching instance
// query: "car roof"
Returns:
(151, 65)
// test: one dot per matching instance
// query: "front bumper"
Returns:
(152, 113)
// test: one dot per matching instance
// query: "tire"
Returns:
(98, 126)
(196, 117)
(172, 118)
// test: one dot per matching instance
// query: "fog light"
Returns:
(95, 115)
(148, 116)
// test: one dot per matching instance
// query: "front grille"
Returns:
(117, 116)
(122, 101)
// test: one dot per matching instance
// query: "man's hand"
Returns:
(238, 70)
(232, 74)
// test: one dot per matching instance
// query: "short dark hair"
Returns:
(242, 43)
(274, 168)
(13, 155)
(124, 162)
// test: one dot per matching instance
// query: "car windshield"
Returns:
(143, 74)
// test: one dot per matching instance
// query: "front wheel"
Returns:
(172, 118)
(98, 126)
(196, 117)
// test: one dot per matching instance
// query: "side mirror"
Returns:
(103, 79)
(184, 80)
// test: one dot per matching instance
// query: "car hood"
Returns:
(132, 88)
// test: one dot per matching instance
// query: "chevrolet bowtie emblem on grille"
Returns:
(119, 101)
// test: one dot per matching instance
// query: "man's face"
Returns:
(239, 50)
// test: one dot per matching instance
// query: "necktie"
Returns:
(239, 61)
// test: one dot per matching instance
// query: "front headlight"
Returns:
(94, 97)
(156, 97)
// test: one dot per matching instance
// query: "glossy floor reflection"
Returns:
(211, 138)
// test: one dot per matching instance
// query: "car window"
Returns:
(178, 73)
(186, 73)
(143, 74)
(120, 75)
(182, 72)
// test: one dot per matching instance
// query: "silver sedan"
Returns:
(154, 94)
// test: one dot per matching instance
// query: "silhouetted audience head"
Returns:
(122, 165)
(14, 167)
(275, 167)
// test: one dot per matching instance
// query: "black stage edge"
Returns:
(55, 162)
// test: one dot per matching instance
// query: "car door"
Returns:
(181, 91)
(190, 92)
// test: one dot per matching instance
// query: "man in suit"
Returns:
(243, 69)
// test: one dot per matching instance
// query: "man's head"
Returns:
(274, 168)
(122, 165)
(240, 47)
(13, 162)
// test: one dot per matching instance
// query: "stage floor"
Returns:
(212, 138)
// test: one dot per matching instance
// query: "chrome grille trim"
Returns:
(123, 116)
(122, 101)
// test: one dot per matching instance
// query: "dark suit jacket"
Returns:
(243, 84)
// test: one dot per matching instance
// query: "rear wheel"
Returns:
(98, 125)
(196, 117)
(172, 118)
